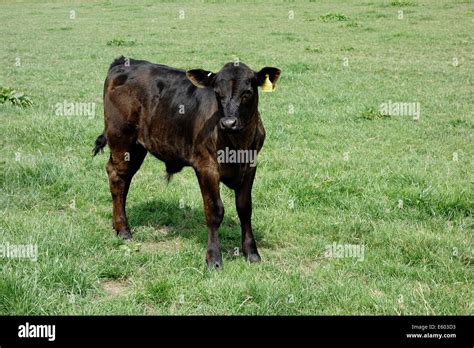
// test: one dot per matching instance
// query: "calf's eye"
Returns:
(246, 95)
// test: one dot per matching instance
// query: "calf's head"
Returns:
(236, 89)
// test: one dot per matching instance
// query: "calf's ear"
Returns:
(268, 74)
(201, 78)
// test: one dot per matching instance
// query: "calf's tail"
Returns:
(100, 143)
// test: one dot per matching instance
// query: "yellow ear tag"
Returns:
(267, 85)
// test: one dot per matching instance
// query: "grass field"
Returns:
(334, 169)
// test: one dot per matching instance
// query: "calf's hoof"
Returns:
(214, 265)
(253, 257)
(214, 260)
(125, 234)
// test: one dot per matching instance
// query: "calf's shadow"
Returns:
(187, 222)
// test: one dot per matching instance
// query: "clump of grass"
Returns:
(286, 35)
(372, 113)
(402, 3)
(16, 98)
(160, 291)
(459, 123)
(314, 49)
(334, 17)
(291, 38)
(121, 42)
(352, 24)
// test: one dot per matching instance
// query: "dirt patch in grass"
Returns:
(174, 244)
(115, 288)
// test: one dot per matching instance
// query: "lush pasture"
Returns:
(334, 169)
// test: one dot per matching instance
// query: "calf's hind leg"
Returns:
(122, 165)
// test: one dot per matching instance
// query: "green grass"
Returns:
(343, 164)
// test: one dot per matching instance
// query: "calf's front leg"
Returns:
(243, 202)
(208, 178)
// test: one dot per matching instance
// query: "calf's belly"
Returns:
(175, 151)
